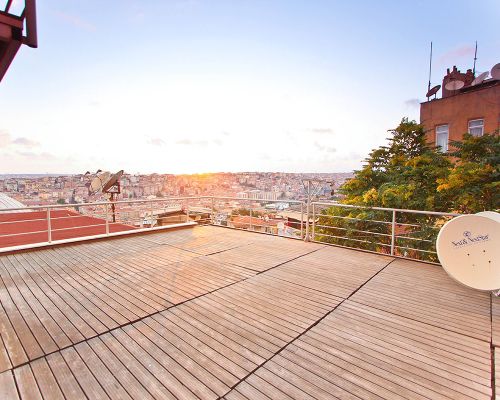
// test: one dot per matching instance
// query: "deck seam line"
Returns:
(306, 330)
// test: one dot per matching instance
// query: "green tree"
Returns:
(403, 174)
(408, 173)
(473, 184)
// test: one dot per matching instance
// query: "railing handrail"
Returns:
(334, 204)
(156, 200)
(308, 228)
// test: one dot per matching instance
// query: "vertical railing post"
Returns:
(250, 228)
(49, 226)
(187, 210)
(393, 231)
(314, 222)
(107, 220)
(307, 209)
(212, 216)
(151, 217)
(302, 220)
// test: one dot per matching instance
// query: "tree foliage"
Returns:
(408, 173)
(473, 184)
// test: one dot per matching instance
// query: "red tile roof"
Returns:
(31, 227)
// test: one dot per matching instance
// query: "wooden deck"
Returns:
(215, 313)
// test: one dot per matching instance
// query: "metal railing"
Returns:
(396, 232)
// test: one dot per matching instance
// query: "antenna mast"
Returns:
(430, 70)
(475, 58)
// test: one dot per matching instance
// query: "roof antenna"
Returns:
(430, 71)
(475, 58)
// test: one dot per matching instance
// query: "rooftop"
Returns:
(9, 202)
(29, 227)
(211, 312)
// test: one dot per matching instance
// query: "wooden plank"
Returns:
(5, 363)
(495, 320)
(61, 329)
(65, 379)
(181, 338)
(203, 368)
(102, 374)
(260, 257)
(46, 380)
(332, 270)
(425, 293)
(8, 386)
(63, 295)
(144, 375)
(26, 383)
(118, 371)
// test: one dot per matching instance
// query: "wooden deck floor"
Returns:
(212, 313)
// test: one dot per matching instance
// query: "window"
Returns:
(442, 137)
(476, 127)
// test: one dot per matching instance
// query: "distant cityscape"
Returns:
(33, 190)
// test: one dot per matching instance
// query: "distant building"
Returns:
(473, 109)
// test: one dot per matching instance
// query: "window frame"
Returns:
(475, 127)
(436, 128)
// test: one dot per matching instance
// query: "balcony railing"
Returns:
(396, 232)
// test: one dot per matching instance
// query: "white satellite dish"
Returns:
(480, 78)
(468, 248)
(490, 214)
(98, 182)
(455, 84)
(495, 71)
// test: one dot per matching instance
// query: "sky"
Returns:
(187, 86)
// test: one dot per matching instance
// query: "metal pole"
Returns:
(187, 210)
(302, 220)
(307, 209)
(213, 211)
(49, 225)
(393, 231)
(107, 221)
(314, 222)
(151, 211)
(251, 215)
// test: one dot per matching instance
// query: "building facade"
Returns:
(473, 109)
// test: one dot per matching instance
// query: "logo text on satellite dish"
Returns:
(469, 239)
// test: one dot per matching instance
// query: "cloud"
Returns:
(37, 156)
(327, 149)
(75, 21)
(156, 141)
(199, 143)
(324, 131)
(185, 142)
(412, 103)
(458, 53)
(6, 140)
(22, 141)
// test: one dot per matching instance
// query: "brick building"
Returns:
(474, 109)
